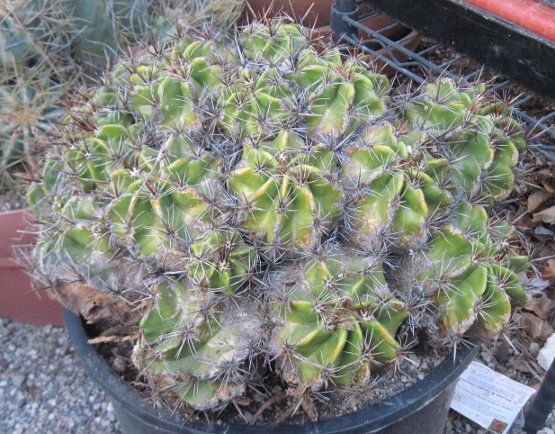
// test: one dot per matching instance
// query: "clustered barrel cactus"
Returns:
(171, 17)
(282, 208)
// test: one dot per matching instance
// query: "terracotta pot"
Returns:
(310, 13)
(408, 39)
(17, 299)
(529, 14)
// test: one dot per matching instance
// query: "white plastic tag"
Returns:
(489, 398)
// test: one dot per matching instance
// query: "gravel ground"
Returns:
(43, 388)
(10, 200)
(457, 424)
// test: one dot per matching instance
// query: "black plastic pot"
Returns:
(419, 409)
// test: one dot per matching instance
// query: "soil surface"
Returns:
(270, 395)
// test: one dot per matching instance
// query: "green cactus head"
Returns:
(475, 134)
(468, 274)
(195, 343)
(396, 190)
(287, 195)
(336, 320)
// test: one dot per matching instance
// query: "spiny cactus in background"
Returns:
(65, 35)
(34, 32)
(105, 28)
(282, 210)
(172, 17)
(29, 108)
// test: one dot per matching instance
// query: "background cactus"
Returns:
(61, 34)
(282, 209)
(34, 32)
(68, 35)
(103, 29)
(29, 109)
(172, 17)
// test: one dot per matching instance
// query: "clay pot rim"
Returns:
(395, 27)
(298, 8)
(10, 212)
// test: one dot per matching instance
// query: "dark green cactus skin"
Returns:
(279, 206)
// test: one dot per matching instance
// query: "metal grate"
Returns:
(423, 64)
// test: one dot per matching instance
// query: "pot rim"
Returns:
(380, 415)
(10, 212)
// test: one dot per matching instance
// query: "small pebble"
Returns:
(18, 380)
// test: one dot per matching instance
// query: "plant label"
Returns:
(489, 398)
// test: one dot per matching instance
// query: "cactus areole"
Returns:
(250, 205)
